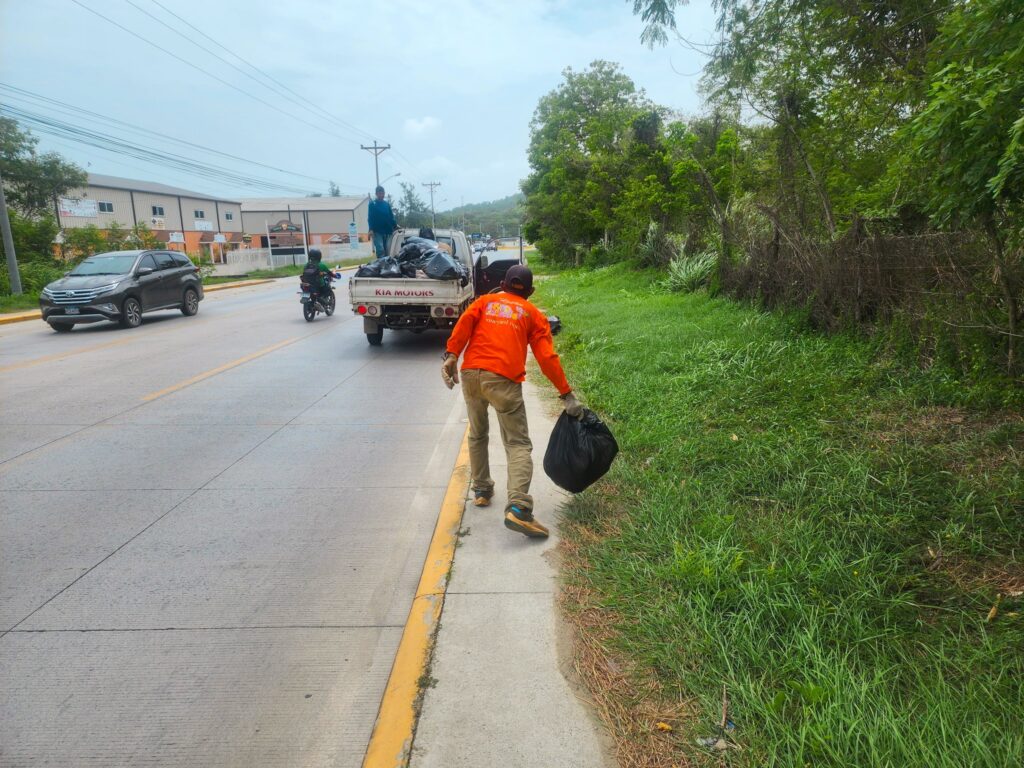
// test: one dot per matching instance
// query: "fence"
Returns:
(943, 287)
(246, 260)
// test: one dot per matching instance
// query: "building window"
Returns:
(199, 214)
(158, 210)
(106, 207)
(229, 216)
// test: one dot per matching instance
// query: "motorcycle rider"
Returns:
(318, 275)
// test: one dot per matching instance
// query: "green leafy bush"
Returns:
(691, 273)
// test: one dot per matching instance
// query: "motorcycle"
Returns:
(314, 302)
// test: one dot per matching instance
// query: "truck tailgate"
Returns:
(395, 290)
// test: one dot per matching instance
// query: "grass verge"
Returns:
(19, 303)
(288, 271)
(830, 537)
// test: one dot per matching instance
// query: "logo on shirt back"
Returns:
(504, 311)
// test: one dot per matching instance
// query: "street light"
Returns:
(393, 175)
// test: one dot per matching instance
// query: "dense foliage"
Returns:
(837, 131)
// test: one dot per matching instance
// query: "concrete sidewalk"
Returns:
(501, 698)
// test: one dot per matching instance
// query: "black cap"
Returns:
(519, 277)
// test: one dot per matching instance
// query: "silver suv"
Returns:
(119, 286)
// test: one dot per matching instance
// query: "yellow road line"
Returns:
(220, 369)
(391, 740)
(62, 355)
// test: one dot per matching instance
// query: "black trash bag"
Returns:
(389, 267)
(579, 452)
(442, 266)
(414, 251)
(369, 270)
(408, 269)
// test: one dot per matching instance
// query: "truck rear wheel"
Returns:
(375, 338)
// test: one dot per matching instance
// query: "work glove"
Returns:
(450, 370)
(572, 406)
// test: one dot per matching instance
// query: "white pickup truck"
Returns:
(412, 304)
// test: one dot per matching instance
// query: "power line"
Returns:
(208, 73)
(106, 120)
(272, 79)
(53, 126)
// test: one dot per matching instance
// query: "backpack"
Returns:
(311, 274)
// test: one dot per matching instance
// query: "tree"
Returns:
(333, 190)
(80, 242)
(967, 143)
(32, 181)
(578, 138)
(411, 210)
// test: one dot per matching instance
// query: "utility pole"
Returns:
(12, 259)
(376, 151)
(432, 185)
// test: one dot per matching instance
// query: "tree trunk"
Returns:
(1009, 286)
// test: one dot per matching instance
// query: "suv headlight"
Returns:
(107, 288)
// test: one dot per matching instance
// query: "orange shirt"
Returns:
(495, 330)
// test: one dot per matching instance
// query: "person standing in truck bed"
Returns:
(381, 220)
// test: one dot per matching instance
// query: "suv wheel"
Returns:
(131, 313)
(62, 327)
(190, 304)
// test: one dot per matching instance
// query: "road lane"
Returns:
(217, 576)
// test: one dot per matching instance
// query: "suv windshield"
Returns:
(107, 264)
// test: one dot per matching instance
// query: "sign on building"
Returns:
(176, 237)
(219, 238)
(203, 226)
(158, 222)
(78, 207)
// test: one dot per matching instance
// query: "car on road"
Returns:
(120, 286)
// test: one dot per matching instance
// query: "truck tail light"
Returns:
(438, 311)
(450, 311)
(372, 310)
(361, 309)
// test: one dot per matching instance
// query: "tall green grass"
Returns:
(805, 521)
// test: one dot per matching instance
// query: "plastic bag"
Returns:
(389, 267)
(579, 452)
(440, 266)
(369, 270)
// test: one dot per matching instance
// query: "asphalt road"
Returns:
(211, 529)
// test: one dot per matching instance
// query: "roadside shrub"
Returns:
(206, 267)
(656, 248)
(687, 274)
(35, 275)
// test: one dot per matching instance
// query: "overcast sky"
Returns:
(450, 84)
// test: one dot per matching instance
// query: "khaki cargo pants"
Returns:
(481, 389)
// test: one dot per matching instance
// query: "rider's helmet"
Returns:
(314, 254)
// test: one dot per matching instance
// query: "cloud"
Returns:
(420, 126)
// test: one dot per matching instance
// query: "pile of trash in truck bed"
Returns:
(419, 258)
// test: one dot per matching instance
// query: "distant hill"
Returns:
(495, 217)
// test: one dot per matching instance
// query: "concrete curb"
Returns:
(35, 314)
(391, 741)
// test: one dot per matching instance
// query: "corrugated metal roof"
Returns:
(116, 182)
(299, 204)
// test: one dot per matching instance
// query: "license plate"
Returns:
(70, 310)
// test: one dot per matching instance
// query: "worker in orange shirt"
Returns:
(494, 332)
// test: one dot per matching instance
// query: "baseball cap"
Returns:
(519, 277)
